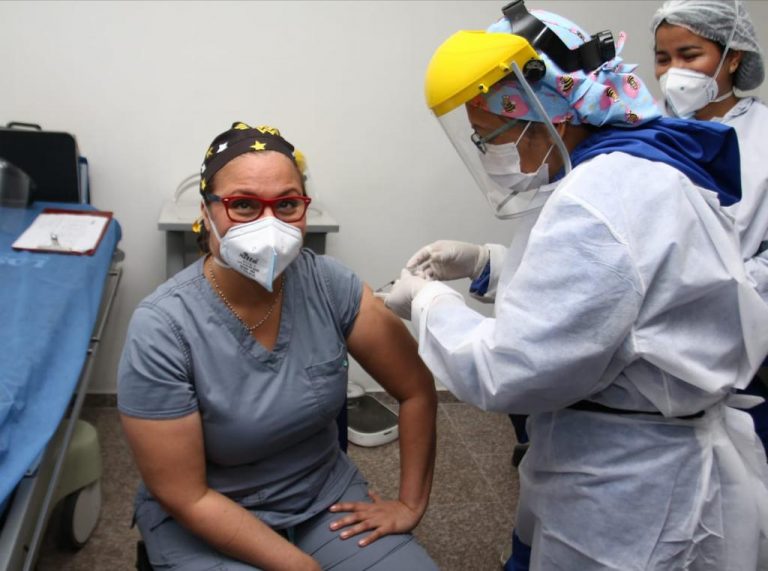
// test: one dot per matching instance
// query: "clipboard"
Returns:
(63, 231)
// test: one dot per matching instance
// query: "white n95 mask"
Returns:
(260, 250)
(502, 164)
(686, 91)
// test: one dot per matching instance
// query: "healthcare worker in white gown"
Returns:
(626, 320)
(707, 56)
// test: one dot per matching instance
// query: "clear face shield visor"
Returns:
(470, 63)
(496, 166)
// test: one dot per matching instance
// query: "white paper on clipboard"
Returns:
(64, 231)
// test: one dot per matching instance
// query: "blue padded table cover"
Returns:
(49, 305)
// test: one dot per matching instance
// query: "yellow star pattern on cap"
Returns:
(241, 126)
(209, 154)
(203, 184)
(268, 129)
(258, 146)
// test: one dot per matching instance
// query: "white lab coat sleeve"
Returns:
(559, 321)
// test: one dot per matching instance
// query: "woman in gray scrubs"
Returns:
(232, 376)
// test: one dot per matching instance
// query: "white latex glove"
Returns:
(449, 260)
(402, 293)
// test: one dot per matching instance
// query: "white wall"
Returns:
(145, 86)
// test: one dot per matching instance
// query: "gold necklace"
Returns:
(272, 305)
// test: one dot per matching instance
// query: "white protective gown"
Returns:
(630, 293)
(749, 117)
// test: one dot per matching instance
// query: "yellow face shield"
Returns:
(466, 65)
(470, 62)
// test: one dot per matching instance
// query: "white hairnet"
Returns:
(713, 20)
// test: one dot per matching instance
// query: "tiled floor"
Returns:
(467, 524)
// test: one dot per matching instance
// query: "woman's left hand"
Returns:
(384, 517)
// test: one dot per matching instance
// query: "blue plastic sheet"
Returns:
(49, 304)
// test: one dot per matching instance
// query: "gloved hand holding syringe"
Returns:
(442, 260)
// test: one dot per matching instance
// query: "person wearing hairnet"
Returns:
(707, 55)
(624, 323)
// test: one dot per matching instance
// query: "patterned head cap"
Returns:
(241, 139)
(612, 94)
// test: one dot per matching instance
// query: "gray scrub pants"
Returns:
(170, 546)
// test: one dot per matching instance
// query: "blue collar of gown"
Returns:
(705, 151)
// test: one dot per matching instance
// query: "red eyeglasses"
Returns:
(244, 208)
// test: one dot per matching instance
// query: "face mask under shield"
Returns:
(510, 191)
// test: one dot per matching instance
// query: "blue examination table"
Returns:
(53, 308)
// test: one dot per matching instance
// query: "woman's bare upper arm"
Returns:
(170, 456)
(384, 347)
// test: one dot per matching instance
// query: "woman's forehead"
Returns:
(265, 171)
(264, 165)
(672, 37)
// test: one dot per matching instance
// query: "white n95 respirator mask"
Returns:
(686, 91)
(502, 165)
(260, 250)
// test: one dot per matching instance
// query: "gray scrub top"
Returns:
(268, 417)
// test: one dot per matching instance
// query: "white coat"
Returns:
(631, 293)
(749, 117)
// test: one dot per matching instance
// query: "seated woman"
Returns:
(233, 373)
